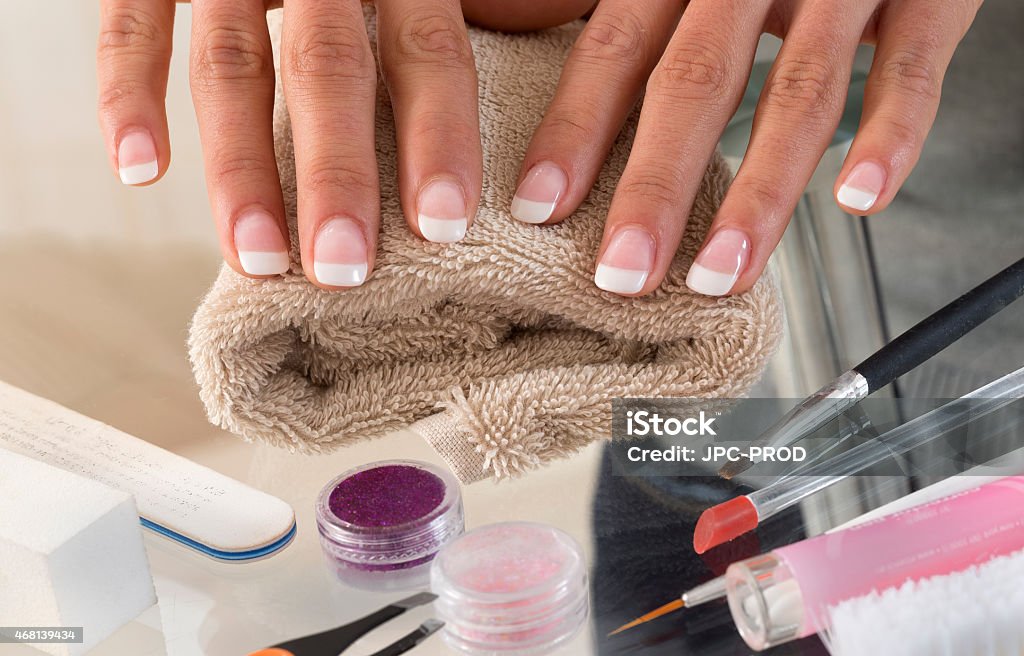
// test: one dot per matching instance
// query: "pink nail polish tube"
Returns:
(786, 594)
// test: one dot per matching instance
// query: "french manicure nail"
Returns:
(719, 263)
(538, 193)
(340, 254)
(262, 250)
(441, 212)
(861, 188)
(136, 158)
(627, 262)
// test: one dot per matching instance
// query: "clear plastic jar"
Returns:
(511, 588)
(381, 524)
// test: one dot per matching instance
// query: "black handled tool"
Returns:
(906, 352)
(335, 641)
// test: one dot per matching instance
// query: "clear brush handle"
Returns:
(997, 394)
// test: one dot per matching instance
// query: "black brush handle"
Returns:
(944, 327)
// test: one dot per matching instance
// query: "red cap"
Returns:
(724, 522)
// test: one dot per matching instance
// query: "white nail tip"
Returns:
(442, 231)
(618, 280)
(263, 263)
(139, 173)
(854, 198)
(711, 283)
(339, 275)
(531, 211)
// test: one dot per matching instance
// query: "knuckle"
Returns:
(910, 71)
(440, 126)
(576, 124)
(696, 70)
(805, 84)
(433, 37)
(902, 129)
(228, 53)
(337, 173)
(658, 185)
(337, 52)
(113, 97)
(613, 37)
(229, 168)
(128, 28)
(764, 193)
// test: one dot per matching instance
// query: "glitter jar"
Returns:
(511, 588)
(381, 524)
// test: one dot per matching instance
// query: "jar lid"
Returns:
(512, 588)
(389, 514)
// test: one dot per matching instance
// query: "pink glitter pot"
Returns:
(381, 524)
(513, 588)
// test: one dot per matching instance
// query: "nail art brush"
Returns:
(911, 349)
(703, 593)
(727, 521)
(716, 588)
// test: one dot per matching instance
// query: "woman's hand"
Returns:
(329, 78)
(695, 67)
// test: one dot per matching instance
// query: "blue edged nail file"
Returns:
(188, 503)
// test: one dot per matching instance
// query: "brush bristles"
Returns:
(654, 614)
(976, 612)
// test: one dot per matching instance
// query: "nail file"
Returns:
(176, 498)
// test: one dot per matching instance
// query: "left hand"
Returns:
(695, 67)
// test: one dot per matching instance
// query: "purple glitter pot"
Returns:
(381, 524)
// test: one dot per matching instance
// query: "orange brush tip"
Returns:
(273, 651)
(724, 522)
(654, 614)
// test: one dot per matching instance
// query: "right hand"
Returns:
(329, 78)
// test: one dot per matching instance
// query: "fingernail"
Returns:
(861, 188)
(626, 262)
(339, 254)
(262, 250)
(719, 263)
(136, 158)
(441, 212)
(539, 192)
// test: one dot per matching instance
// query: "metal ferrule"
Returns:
(705, 592)
(812, 413)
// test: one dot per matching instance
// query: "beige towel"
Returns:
(503, 335)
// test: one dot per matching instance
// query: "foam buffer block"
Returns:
(71, 553)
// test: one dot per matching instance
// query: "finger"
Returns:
(330, 86)
(232, 75)
(692, 92)
(601, 82)
(132, 60)
(428, 64)
(901, 98)
(796, 117)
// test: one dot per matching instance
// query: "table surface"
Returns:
(106, 345)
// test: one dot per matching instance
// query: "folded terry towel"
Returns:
(499, 346)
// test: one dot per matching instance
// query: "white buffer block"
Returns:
(71, 553)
